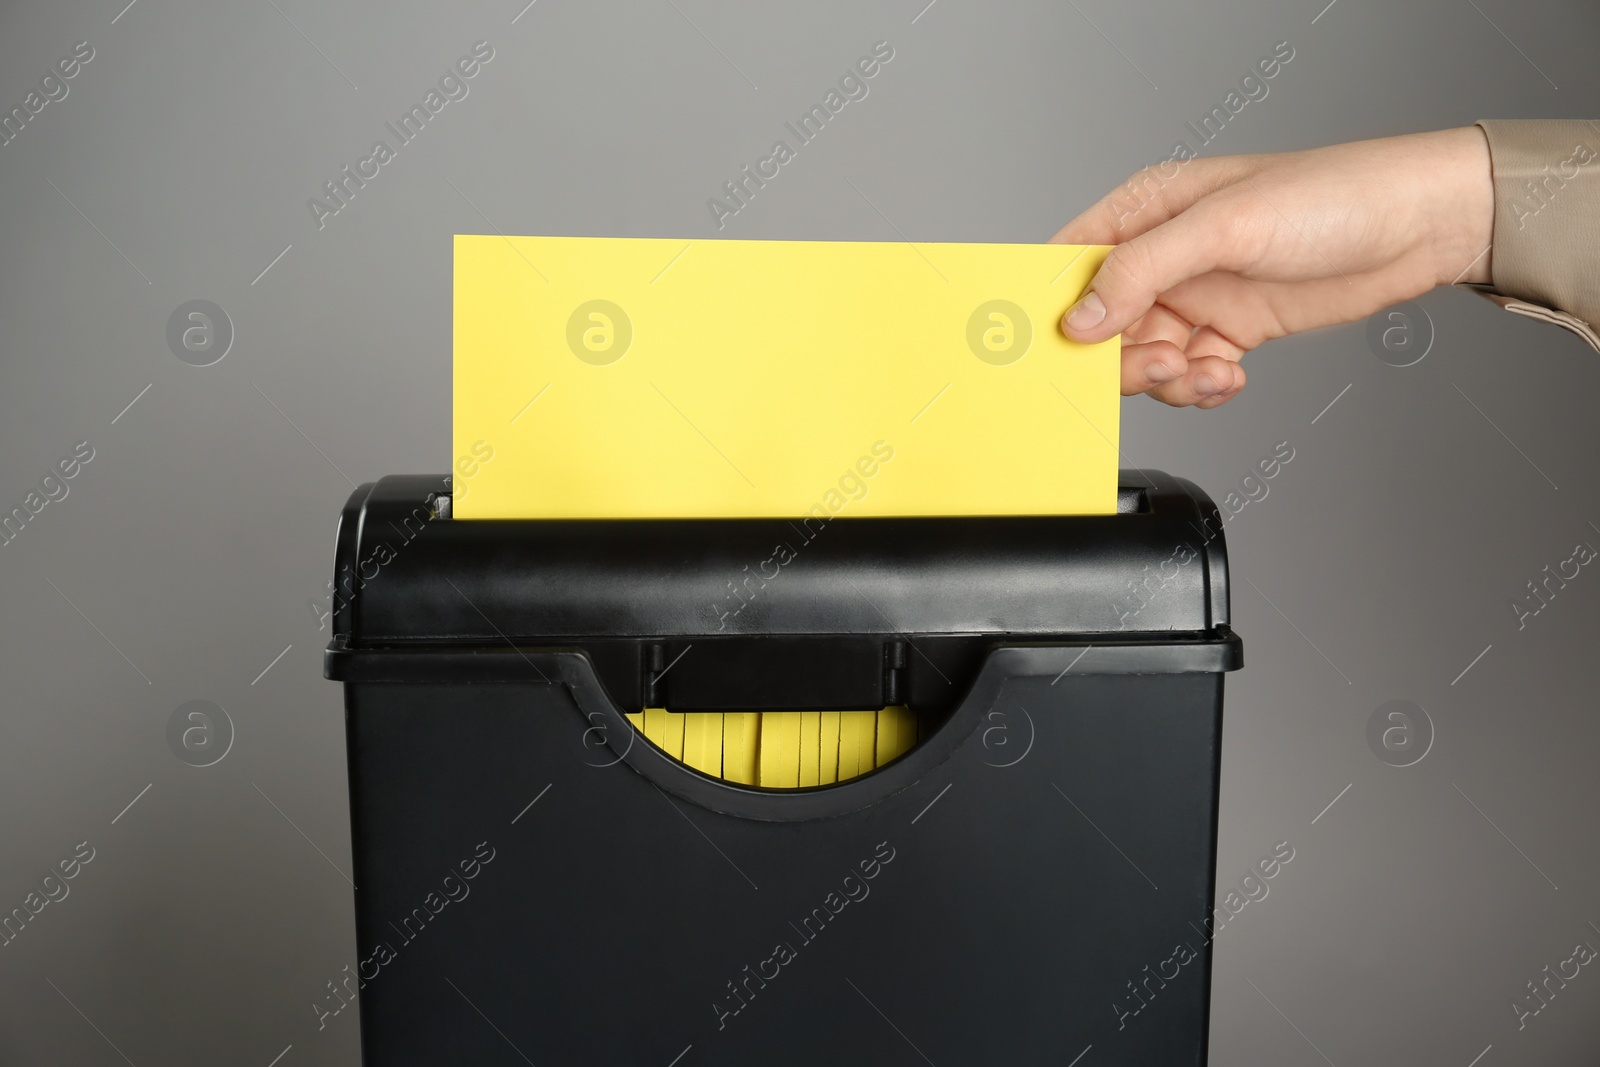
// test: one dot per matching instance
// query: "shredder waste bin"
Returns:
(758, 791)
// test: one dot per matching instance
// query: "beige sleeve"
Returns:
(1545, 259)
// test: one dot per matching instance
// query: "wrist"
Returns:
(1463, 209)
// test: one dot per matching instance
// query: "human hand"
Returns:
(1217, 256)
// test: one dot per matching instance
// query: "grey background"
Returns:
(1390, 547)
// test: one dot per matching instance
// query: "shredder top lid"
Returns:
(406, 574)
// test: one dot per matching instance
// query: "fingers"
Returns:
(1226, 395)
(1135, 274)
(1209, 341)
(1162, 369)
(1259, 311)
(1167, 357)
(1145, 366)
(1207, 382)
(1160, 323)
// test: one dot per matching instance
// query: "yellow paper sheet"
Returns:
(610, 378)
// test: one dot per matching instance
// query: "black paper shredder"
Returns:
(1024, 874)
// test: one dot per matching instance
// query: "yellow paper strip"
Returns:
(673, 734)
(702, 742)
(897, 733)
(780, 749)
(828, 747)
(655, 726)
(741, 746)
(857, 742)
(810, 730)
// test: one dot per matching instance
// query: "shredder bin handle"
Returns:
(1220, 652)
(1208, 652)
(770, 805)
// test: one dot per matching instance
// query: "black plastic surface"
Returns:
(844, 613)
(414, 578)
(1007, 929)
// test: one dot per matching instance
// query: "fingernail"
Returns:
(1087, 313)
(1206, 385)
(1157, 373)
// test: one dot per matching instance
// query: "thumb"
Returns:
(1136, 273)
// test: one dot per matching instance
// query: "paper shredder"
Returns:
(1017, 723)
